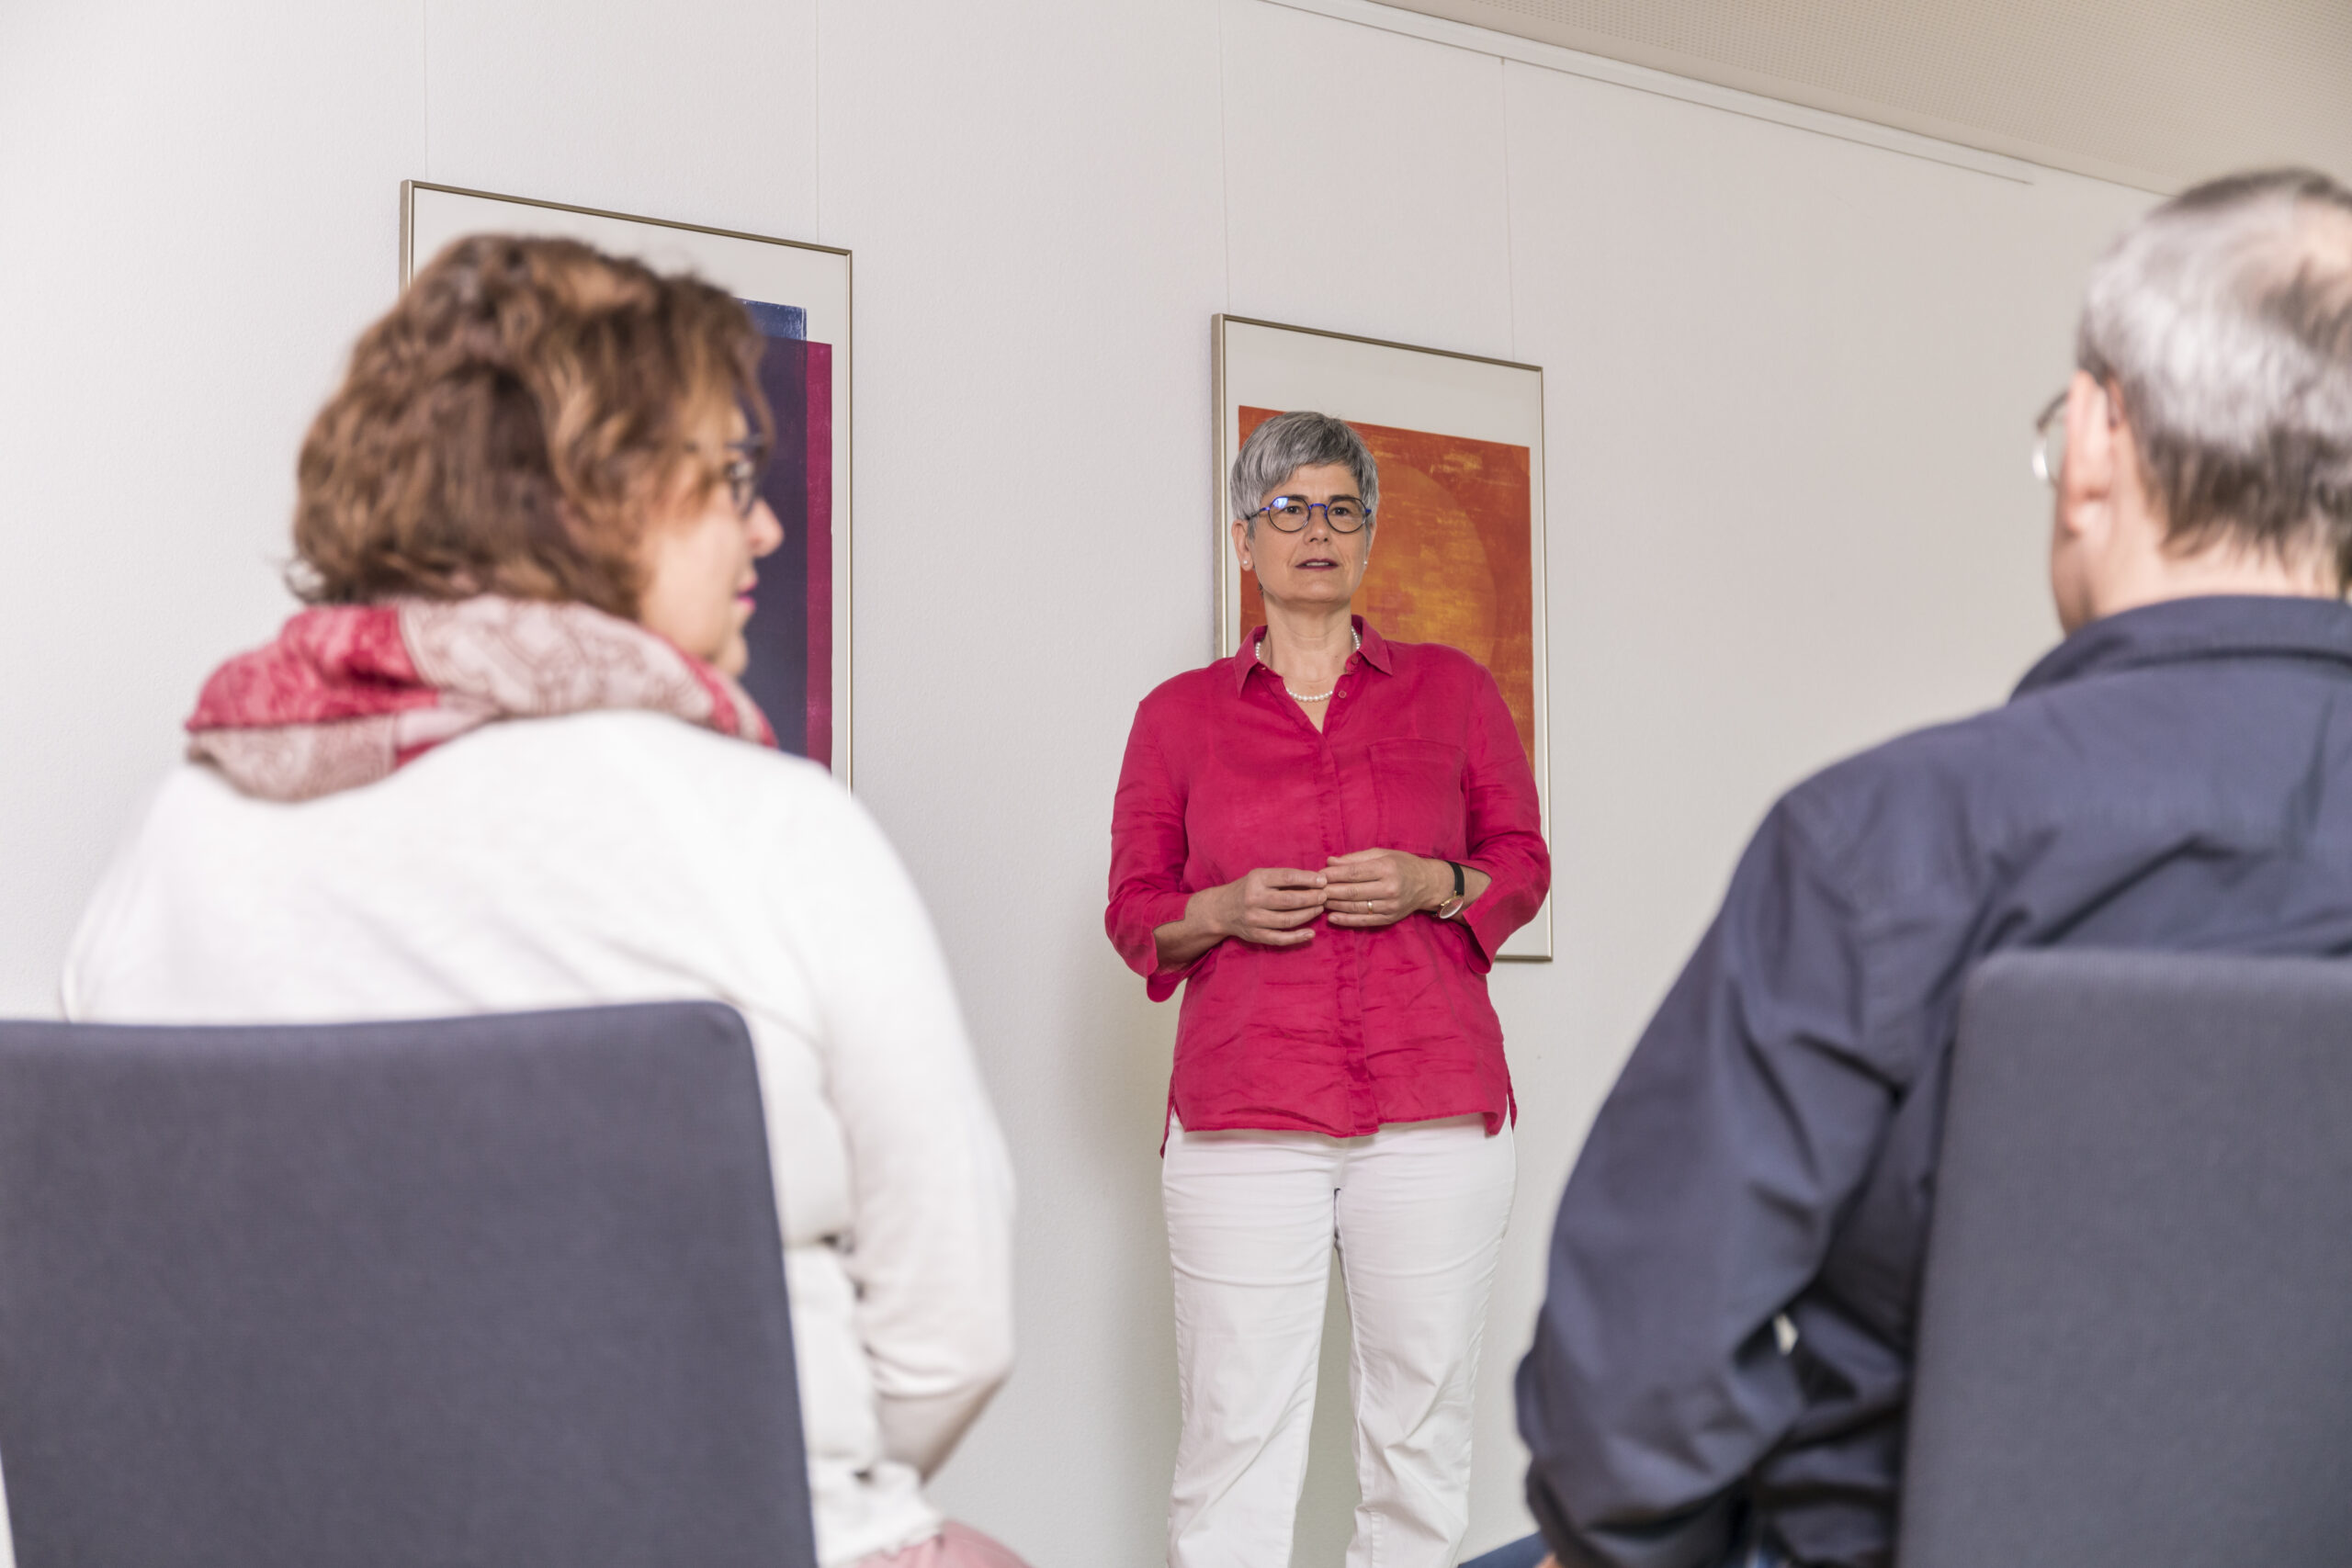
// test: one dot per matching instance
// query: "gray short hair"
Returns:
(2225, 316)
(1289, 442)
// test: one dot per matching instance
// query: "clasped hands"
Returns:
(1275, 906)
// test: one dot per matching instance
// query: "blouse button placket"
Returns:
(1348, 981)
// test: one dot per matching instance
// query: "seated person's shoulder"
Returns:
(625, 763)
(1906, 806)
(658, 740)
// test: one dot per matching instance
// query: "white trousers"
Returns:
(1418, 1211)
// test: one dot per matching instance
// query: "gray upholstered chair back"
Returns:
(503, 1291)
(2136, 1336)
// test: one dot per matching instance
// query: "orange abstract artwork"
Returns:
(1451, 560)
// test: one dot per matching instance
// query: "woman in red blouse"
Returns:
(1326, 837)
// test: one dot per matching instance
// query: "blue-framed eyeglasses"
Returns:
(1292, 514)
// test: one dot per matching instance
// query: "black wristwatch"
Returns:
(1452, 906)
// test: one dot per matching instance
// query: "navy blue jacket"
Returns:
(2177, 777)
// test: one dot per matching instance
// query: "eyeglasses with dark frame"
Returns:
(746, 460)
(1292, 514)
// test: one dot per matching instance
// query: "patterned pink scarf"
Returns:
(348, 693)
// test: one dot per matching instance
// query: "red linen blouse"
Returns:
(1357, 1028)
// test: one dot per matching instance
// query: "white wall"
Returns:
(1788, 380)
(197, 212)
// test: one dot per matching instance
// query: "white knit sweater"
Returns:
(622, 857)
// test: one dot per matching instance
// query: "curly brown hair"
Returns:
(512, 423)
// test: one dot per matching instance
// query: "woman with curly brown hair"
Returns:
(502, 763)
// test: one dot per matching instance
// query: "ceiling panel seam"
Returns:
(2151, 93)
(1708, 94)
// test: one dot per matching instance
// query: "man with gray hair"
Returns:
(1720, 1370)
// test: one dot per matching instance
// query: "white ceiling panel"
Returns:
(2157, 93)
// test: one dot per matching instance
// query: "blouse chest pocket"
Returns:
(1420, 787)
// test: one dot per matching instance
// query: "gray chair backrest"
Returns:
(2136, 1332)
(503, 1291)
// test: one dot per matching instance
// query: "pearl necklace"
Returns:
(1302, 696)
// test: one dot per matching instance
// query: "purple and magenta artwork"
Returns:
(791, 632)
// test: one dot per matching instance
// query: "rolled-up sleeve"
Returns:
(1702, 1203)
(1504, 825)
(1147, 855)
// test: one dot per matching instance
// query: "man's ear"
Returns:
(2095, 452)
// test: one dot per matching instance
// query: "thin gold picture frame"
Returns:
(1536, 942)
(845, 531)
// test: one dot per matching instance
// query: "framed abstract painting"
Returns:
(1460, 560)
(798, 296)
